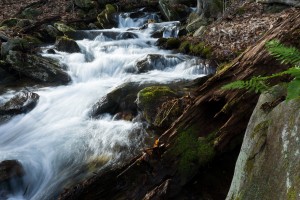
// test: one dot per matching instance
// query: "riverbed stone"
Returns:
(21, 103)
(37, 68)
(67, 45)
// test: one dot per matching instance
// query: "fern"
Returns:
(287, 55)
(256, 84)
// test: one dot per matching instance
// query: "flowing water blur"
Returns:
(57, 141)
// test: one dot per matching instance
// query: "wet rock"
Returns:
(106, 18)
(51, 51)
(10, 169)
(270, 151)
(23, 102)
(67, 45)
(91, 35)
(37, 68)
(120, 100)
(11, 173)
(157, 61)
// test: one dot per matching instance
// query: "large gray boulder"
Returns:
(295, 3)
(37, 68)
(268, 164)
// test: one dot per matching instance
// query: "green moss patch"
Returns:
(193, 152)
(151, 94)
(172, 43)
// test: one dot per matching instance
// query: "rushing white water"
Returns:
(58, 141)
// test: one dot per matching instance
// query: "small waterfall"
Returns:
(57, 142)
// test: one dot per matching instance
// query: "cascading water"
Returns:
(58, 141)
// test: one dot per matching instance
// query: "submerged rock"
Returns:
(37, 68)
(23, 102)
(157, 61)
(269, 156)
(67, 45)
(11, 173)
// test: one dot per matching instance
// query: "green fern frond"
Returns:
(255, 84)
(287, 55)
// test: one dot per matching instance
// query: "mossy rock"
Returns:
(106, 17)
(63, 27)
(67, 45)
(184, 47)
(201, 49)
(172, 43)
(150, 98)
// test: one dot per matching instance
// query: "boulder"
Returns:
(295, 3)
(67, 45)
(63, 28)
(11, 173)
(37, 68)
(120, 100)
(195, 21)
(157, 61)
(173, 11)
(16, 44)
(107, 18)
(149, 98)
(48, 33)
(269, 156)
(21, 103)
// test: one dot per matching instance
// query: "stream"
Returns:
(58, 143)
